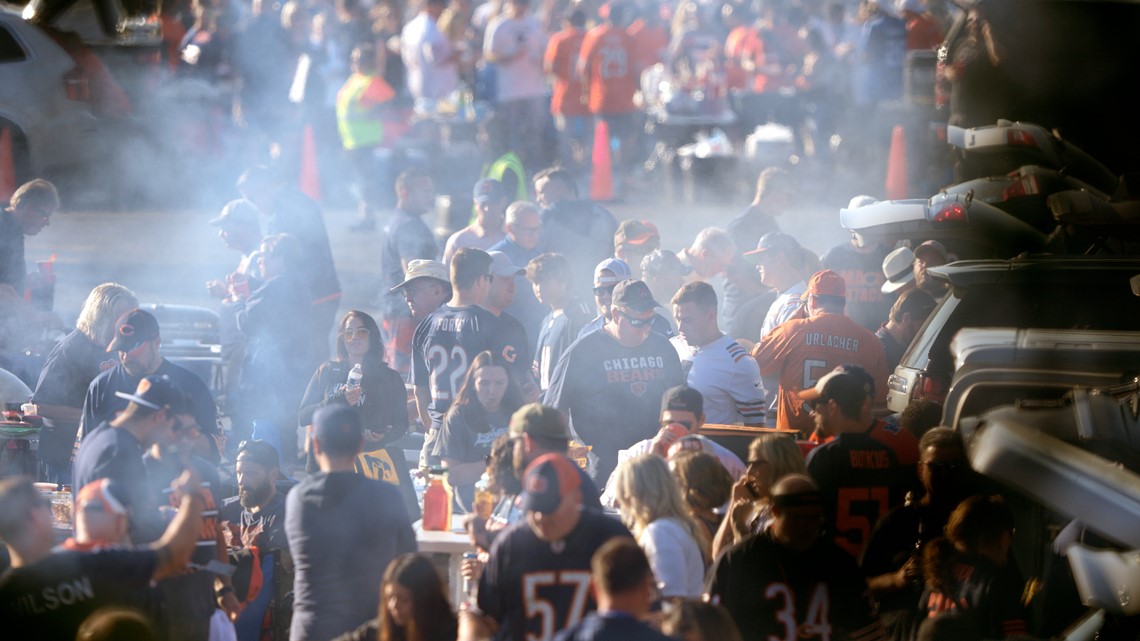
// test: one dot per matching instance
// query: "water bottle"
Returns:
(354, 377)
(470, 587)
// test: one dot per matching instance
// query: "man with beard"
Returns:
(137, 342)
(257, 514)
(256, 520)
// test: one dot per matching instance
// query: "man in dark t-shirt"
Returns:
(155, 414)
(862, 271)
(537, 580)
(137, 342)
(343, 530)
(516, 342)
(48, 594)
(446, 342)
(610, 382)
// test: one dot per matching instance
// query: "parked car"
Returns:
(1046, 292)
(968, 227)
(996, 366)
(44, 104)
(998, 148)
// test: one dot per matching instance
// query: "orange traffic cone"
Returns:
(896, 187)
(7, 166)
(602, 178)
(310, 173)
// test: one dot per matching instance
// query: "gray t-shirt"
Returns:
(343, 531)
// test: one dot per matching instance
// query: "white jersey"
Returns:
(730, 461)
(782, 308)
(727, 377)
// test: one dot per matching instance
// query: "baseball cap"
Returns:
(105, 495)
(617, 266)
(539, 420)
(860, 201)
(634, 295)
(421, 268)
(489, 190)
(826, 283)
(237, 212)
(333, 422)
(548, 480)
(661, 259)
(501, 265)
(776, 241)
(133, 329)
(636, 232)
(157, 392)
(898, 268)
(260, 452)
(931, 246)
(683, 398)
(841, 386)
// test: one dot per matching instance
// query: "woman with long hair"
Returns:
(651, 505)
(705, 486)
(770, 458)
(968, 571)
(480, 414)
(413, 605)
(380, 399)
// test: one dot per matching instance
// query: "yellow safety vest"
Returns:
(357, 128)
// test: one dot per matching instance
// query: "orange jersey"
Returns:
(561, 63)
(650, 43)
(800, 351)
(607, 62)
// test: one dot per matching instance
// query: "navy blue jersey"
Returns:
(775, 592)
(443, 347)
(861, 480)
(533, 588)
(516, 346)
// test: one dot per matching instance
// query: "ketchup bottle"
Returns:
(437, 501)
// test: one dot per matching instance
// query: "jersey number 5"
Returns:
(873, 501)
(535, 605)
(816, 623)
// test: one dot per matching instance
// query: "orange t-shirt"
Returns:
(800, 351)
(561, 62)
(608, 63)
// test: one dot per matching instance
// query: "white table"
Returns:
(447, 549)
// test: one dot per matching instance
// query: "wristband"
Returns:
(224, 591)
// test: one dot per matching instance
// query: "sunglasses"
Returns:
(635, 322)
(607, 290)
(359, 333)
(944, 466)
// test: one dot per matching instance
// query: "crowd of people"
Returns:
(349, 86)
(546, 353)
(613, 516)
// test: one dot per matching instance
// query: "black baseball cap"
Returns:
(157, 392)
(843, 387)
(260, 452)
(634, 295)
(683, 398)
(133, 329)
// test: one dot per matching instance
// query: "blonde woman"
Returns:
(652, 507)
(770, 458)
